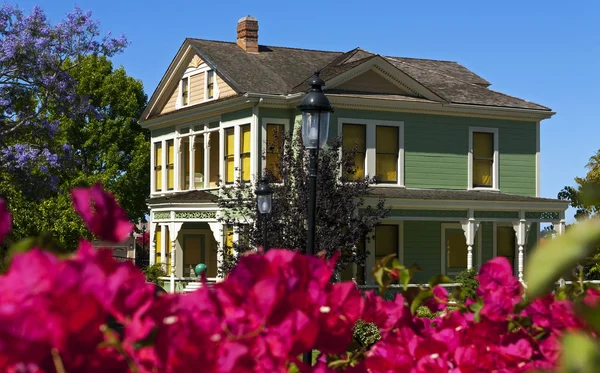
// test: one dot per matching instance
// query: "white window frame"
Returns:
(215, 85)
(263, 127)
(371, 146)
(495, 167)
(179, 103)
(236, 124)
(476, 247)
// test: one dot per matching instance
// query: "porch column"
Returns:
(152, 232)
(174, 229)
(191, 185)
(560, 230)
(470, 228)
(521, 229)
(217, 231)
(206, 158)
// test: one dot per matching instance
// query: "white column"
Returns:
(173, 233)
(470, 228)
(217, 231)
(521, 229)
(191, 185)
(152, 227)
(206, 150)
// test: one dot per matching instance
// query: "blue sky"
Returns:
(543, 51)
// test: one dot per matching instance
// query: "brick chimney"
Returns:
(247, 34)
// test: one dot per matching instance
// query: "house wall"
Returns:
(436, 149)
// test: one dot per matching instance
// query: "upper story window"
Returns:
(379, 148)
(210, 84)
(483, 158)
(185, 91)
(274, 149)
(355, 139)
(387, 146)
(229, 155)
(158, 166)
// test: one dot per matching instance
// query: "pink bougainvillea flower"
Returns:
(5, 220)
(591, 299)
(101, 213)
(439, 300)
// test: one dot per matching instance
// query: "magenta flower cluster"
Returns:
(59, 315)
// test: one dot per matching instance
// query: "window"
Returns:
(275, 133)
(245, 152)
(386, 240)
(229, 155)
(158, 247)
(354, 138)
(229, 240)
(198, 177)
(387, 154)
(158, 166)
(185, 163)
(456, 250)
(170, 164)
(213, 143)
(483, 159)
(210, 84)
(506, 242)
(185, 91)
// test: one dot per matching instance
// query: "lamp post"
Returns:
(264, 200)
(315, 108)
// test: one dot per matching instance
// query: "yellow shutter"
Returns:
(353, 135)
(229, 155)
(158, 166)
(158, 247)
(456, 246)
(245, 152)
(229, 240)
(387, 153)
(386, 240)
(214, 159)
(170, 164)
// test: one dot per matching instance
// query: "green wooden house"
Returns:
(457, 162)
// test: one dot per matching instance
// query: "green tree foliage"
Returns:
(342, 219)
(108, 147)
(585, 196)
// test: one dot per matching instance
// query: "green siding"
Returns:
(436, 149)
(163, 131)
(238, 114)
(422, 245)
(487, 241)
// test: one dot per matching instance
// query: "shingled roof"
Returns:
(281, 70)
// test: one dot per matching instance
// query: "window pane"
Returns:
(199, 162)
(170, 164)
(210, 82)
(229, 156)
(456, 249)
(245, 152)
(158, 165)
(185, 85)
(506, 241)
(214, 159)
(386, 240)
(387, 153)
(353, 137)
(274, 148)
(387, 140)
(483, 145)
(482, 172)
(185, 163)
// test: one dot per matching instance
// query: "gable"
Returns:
(192, 66)
(372, 81)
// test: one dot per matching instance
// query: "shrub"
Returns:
(468, 283)
(153, 273)
(366, 333)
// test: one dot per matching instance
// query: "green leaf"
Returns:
(547, 263)
(581, 354)
(45, 242)
(423, 296)
(378, 275)
(440, 279)
(404, 277)
(591, 316)
(396, 264)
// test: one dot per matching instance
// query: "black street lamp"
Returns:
(315, 109)
(264, 199)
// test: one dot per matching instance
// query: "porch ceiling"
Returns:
(183, 197)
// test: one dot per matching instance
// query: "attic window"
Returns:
(185, 91)
(210, 84)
